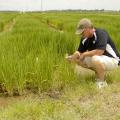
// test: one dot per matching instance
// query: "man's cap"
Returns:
(83, 23)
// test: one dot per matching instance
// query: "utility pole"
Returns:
(41, 5)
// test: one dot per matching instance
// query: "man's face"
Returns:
(86, 33)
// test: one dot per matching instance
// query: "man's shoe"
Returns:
(101, 84)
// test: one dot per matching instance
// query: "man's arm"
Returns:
(91, 53)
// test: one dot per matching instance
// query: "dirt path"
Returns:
(9, 25)
(9, 100)
(5, 101)
(49, 24)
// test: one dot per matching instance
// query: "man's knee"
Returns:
(97, 62)
(95, 59)
(82, 64)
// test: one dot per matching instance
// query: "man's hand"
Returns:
(76, 55)
(73, 58)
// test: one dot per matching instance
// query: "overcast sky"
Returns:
(59, 4)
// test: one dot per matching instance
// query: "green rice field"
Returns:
(38, 83)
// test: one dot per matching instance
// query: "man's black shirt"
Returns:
(101, 41)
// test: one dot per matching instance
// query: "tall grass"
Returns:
(32, 54)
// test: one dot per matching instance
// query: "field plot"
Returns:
(33, 67)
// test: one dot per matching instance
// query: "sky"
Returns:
(33, 5)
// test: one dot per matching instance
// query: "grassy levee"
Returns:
(73, 105)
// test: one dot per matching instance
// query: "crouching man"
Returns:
(96, 51)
